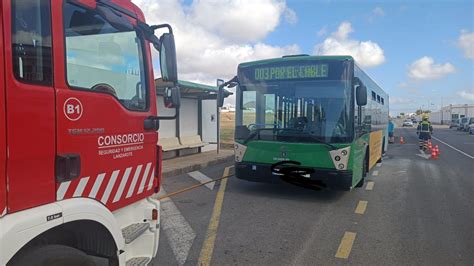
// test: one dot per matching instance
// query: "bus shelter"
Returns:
(196, 127)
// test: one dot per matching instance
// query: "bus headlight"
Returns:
(340, 157)
(239, 151)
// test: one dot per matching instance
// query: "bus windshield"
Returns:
(295, 110)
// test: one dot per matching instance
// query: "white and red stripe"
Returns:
(144, 178)
(134, 181)
(125, 176)
(76, 188)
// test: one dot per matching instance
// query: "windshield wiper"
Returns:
(306, 134)
(257, 132)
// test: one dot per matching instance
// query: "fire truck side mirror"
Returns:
(168, 64)
(172, 97)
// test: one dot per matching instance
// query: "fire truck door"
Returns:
(3, 139)
(30, 103)
(105, 97)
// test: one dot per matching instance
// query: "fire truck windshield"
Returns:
(105, 56)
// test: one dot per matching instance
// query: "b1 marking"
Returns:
(54, 216)
(73, 109)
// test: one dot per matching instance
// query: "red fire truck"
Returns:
(79, 159)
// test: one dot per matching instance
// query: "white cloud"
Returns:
(322, 31)
(403, 85)
(378, 12)
(290, 16)
(400, 100)
(238, 20)
(366, 53)
(213, 36)
(425, 68)
(466, 43)
(467, 94)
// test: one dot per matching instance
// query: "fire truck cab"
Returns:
(79, 160)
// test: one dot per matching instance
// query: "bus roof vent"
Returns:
(295, 55)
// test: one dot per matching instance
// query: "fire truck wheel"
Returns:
(55, 255)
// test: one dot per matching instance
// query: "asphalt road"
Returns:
(418, 211)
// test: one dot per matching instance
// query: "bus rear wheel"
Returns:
(54, 255)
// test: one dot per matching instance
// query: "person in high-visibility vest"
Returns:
(391, 126)
(424, 131)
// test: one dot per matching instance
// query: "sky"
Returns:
(420, 52)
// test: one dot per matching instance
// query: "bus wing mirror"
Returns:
(220, 96)
(361, 95)
(168, 63)
(220, 93)
(172, 97)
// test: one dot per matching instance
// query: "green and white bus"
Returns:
(308, 119)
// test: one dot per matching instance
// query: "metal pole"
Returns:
(218, 111)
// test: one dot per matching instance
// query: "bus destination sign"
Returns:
(292, 72)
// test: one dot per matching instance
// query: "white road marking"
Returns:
(80, 187)
(202, 178)
(110, 185)
(134, 181)
(62, 190)
(119, 192)
(422, 154)
(144, 178)
(178, 231)
(97, 184)
(463, 153)
(375, 173)
(379, 164)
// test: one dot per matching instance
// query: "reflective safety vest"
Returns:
(425, 126)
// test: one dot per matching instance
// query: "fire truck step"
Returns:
(133, 231)
(138, 261)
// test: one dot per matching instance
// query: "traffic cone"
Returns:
(402, 141)
(434, 154)
(430, 146)
(437, 149)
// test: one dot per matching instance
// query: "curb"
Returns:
(196, 167)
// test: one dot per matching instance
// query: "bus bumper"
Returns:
(330, 178)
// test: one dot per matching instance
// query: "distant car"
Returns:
(454, 123)
(413, 120)
(468, 124)
(471, 129)
(407, 123)
(462, 122)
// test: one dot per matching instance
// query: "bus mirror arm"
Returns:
(222, 93)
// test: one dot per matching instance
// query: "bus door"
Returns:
(105, 95)
(3, 140)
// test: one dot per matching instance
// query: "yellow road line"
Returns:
(370, 185)
(208, 247)
(361, 206)
(345, 247)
